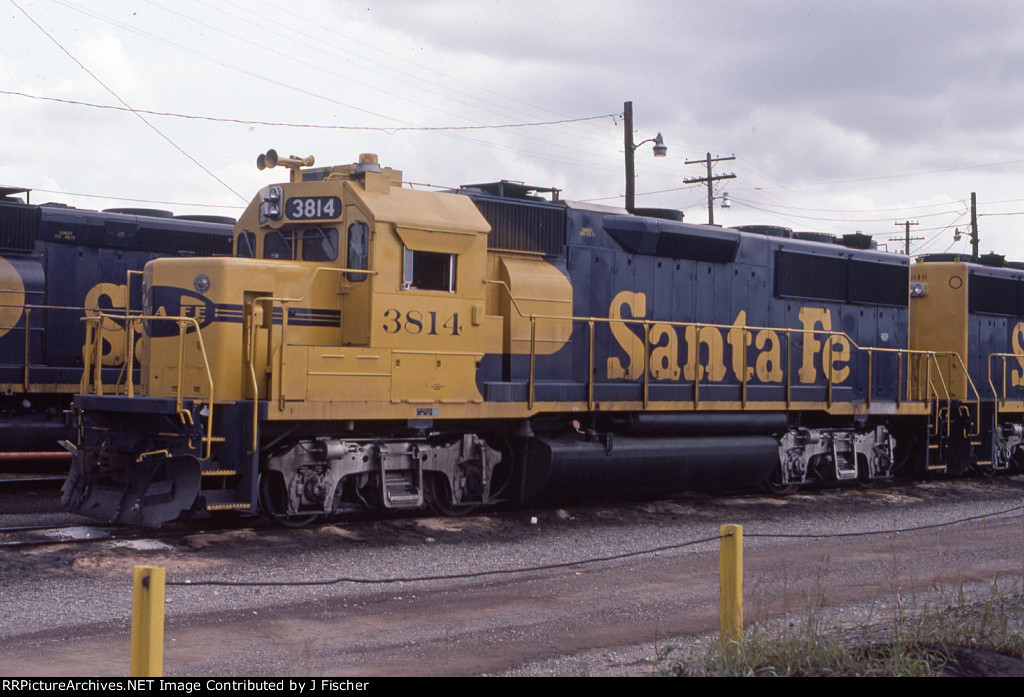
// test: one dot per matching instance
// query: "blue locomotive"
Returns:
(374, 346)
(59, 264)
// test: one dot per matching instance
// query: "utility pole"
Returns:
(709, 179)
(630, 147)
(627, 123)
(974, 225)
(907, 225)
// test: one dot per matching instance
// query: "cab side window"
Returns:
(428, 270)
(358, 250)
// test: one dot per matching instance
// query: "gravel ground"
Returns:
(65, 608)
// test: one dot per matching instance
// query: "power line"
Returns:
(315, 66)
(127, 106)
(247, 122)
(768, 208)
(859, 210)
(134, 200)
(907, 237)
(897, 176)
(709, 180)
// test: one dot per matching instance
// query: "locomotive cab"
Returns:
(348, 295)
(347, 289)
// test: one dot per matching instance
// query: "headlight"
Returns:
(202, 283)
(270, 206)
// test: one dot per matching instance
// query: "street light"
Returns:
(660, 150)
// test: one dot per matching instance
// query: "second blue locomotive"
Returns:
(59, 264)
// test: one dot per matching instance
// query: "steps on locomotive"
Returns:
(403, 487)
(844, 456)
(400, 492)
(223, 500)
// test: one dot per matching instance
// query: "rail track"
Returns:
(66, 533)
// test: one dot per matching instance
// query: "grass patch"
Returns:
(960, 638)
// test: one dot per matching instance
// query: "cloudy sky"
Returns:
(842, 116)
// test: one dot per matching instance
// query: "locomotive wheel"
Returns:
(774, 486)
(274, 503)
(778, 489)
(439, 495)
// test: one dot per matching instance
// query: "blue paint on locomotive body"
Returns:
(58, 264)
(676, 276)
(995, 325)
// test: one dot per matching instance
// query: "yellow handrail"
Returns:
(999, 396)
(931, 390)
(92, 353)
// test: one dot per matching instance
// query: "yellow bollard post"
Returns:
(730, 611)
(147, 652)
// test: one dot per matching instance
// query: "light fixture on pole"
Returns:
(709, 180)
(660, 150)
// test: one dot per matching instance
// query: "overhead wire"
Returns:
(882, 177)
(486, 102)
(536, 155)
(283, 12)
(348, 76)
(764, 200)
(841, 220)
(281, 26)
(135, 200)
(285, 124)
(597, 162)
(118, 98)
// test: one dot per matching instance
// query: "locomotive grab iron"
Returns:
(370, 345)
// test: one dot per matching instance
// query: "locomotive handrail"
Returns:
(93, 356)
(974, 389)
(999, 396)
(251, 340)
(38, 306)
(312, 277)
(128, 290)
(931, 391)
(28, 329)
(950, 355)
(250, 350)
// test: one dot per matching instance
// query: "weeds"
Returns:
(918, 642)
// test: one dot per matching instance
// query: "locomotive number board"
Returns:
(313, 207)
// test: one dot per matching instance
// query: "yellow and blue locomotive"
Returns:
(59, 264)
(371, 345)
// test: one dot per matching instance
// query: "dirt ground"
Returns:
(66, 607)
